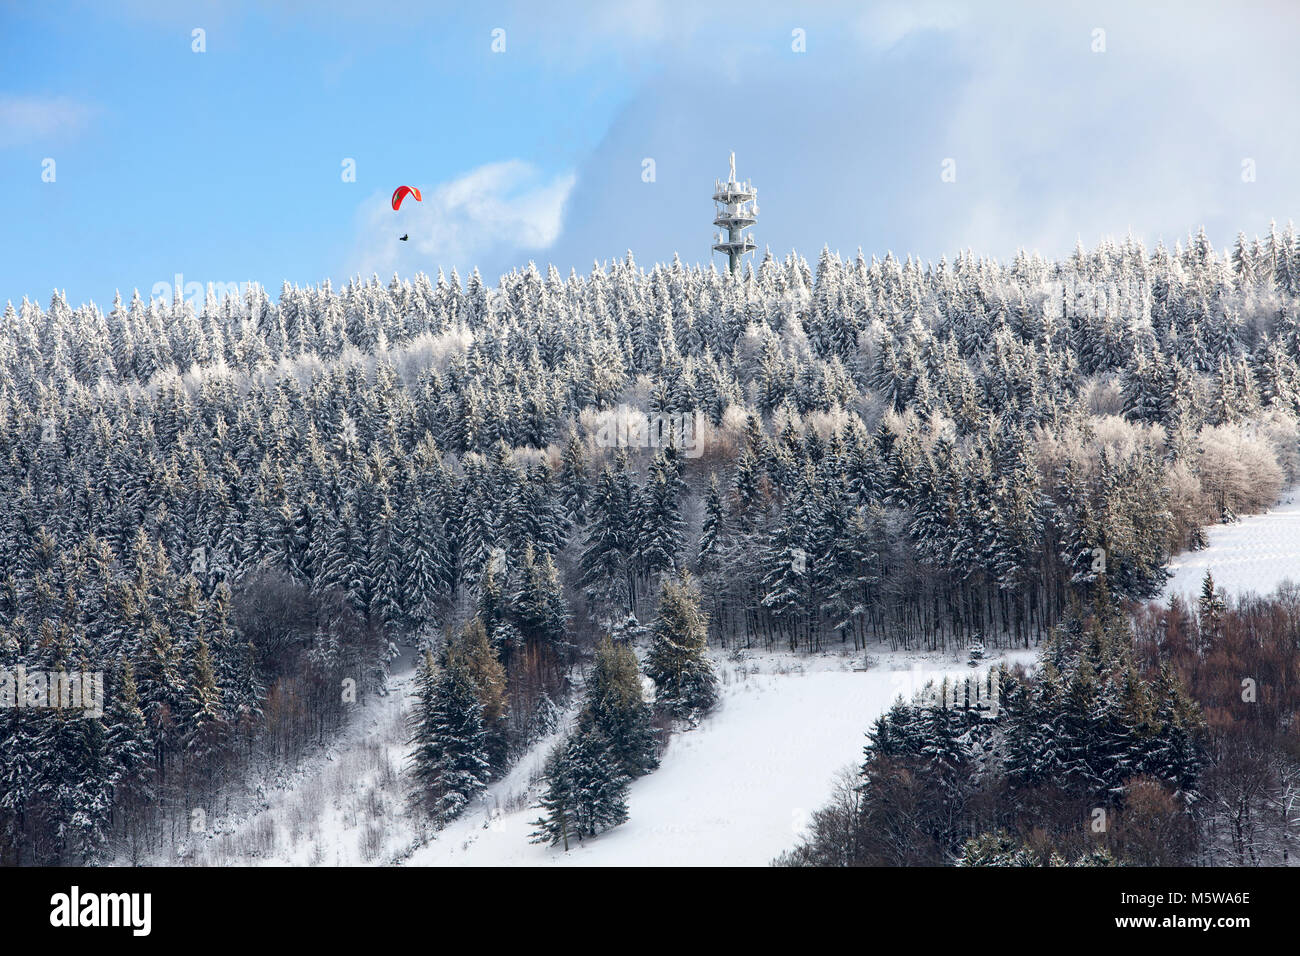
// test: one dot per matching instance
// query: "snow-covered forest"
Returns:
(239, 510)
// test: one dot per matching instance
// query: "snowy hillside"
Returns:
(341, 806)
(738, 789)
(1257, 553)
(735, 791)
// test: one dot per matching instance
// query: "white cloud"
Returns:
(882, 27)
(27, 118)
(486, 216)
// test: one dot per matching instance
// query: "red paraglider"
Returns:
(402, 192)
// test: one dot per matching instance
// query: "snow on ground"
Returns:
(1257, 553)
(338, 806)
(738, 789)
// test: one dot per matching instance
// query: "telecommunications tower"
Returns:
(736, 208)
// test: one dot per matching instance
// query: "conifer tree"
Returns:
(713, 526)
(484, 665)
(128, 743)
(614, 707)
(586, 791)
(450, 756)
(539, 609)
(660, 531)
(1210, 611)
(573, 480)
(558, 820)
(678, 662)
(605, 566)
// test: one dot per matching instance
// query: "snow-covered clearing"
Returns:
(734, 791)
(739, 788)
(1257, 553)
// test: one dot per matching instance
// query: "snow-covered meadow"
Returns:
(1254, 554)
(739, 788)
(736, 790)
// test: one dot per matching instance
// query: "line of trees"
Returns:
(617, 737)
(1092, 753)
(1155, 735)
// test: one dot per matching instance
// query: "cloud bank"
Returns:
(1055, 131)
(489, 216)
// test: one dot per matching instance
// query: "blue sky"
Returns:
(225, 166)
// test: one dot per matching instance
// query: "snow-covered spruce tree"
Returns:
(557, 803)
(128, 742)
(473, 648)
(586, 790)
(605, 568)
(659, 528)
(450, 756)
(713, 527)
(1210, 609)
(685, 684)
(491, 607)
(540, 515)
(128, 750)
(614, 707)
(204, 728)
(424, 565)
(540, 613)
(575, 489)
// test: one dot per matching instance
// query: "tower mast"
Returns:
(736, 209)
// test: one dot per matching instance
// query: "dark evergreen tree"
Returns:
(450, 757)
(586, 791)
(614, 708)
(678, 662)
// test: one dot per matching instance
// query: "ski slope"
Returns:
(735, 791)
(1257, 553)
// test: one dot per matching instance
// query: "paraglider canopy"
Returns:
(402, 192)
